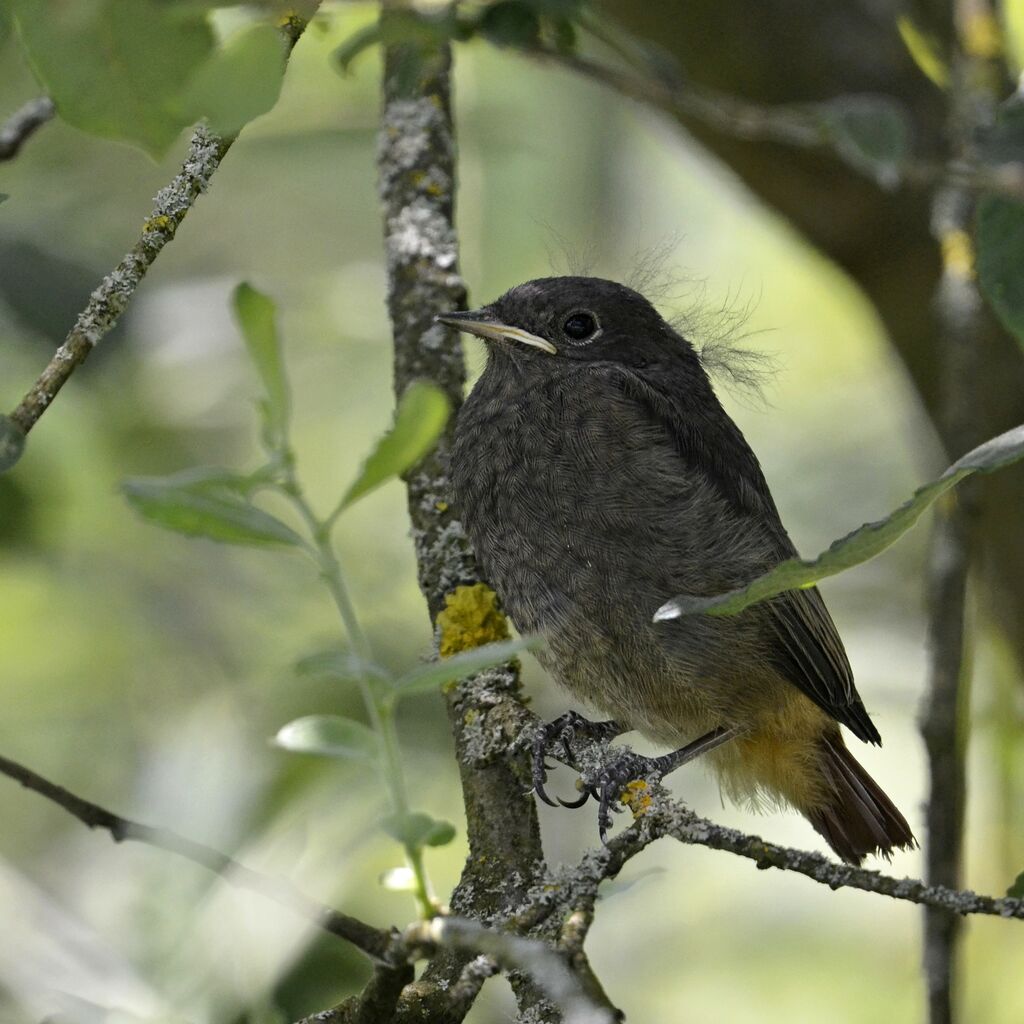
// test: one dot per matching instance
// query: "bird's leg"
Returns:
(561, 733)
(629, 767)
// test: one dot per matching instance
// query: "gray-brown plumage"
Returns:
(598, 475)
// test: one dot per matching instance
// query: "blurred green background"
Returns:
(147, 671)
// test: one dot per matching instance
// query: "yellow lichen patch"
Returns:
(470, 619)
(637, 797)
(441, 506)
(161, 223)
(958, 254)
(292, 21)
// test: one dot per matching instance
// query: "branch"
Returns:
(416, 167)
(973, 96)
(514, 953)
(374, 942)
(658, 816)
(668, 818)
(22, 125)
(107, 303)
(797, 125)
(109, 300)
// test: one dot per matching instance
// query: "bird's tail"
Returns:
(857, 818)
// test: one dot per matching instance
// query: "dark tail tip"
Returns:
(859, 819)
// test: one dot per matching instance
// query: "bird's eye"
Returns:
(580, 326)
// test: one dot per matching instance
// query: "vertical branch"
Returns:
(943, 719)
(416, 167)
(974, 92)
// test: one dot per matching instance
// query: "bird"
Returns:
(597, 475)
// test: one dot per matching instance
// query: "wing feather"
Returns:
(809, 651)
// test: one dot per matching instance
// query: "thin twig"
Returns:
(659, 816)
(375, 942)
(110, 299)
(22, 124)
(798, 125)
(678, 822)
(515, 953)
(973, 96)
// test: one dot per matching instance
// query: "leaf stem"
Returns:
(379, 707)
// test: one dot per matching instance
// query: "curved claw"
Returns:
(573, 804)
(538, 788)
(604, 819)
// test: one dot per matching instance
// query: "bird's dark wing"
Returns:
(809, 652)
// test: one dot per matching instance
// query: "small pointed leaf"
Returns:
(225, 518)
(419, 420)
(340, 666)
(872, 133)
(1017, 889)
(417, 829)
(433, 675)
(1000, 258)
(257, 318)
(329, 736)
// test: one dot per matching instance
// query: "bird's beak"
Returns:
(483, 325)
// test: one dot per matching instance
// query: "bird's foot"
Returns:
(560, 734)
(623, 778)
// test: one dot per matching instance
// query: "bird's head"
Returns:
(584, 319)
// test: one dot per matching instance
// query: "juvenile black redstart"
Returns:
(598, 475)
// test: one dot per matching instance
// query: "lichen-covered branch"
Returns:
(110, 299)
(375, 942)
(23, 124)
(667, 818)
(514, 953)
(416, 162)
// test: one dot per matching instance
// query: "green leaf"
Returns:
(115, 68)
(417, 829)
(238, 82)
(400, 879)
(511, 23)
(421, 416)
(257, 318)
(329, 736)
(339, 666)
(1017, 889)
(217, 481)
(925, 50)
(863, 544)
(872, 133)
(1003, 141)
(429, 677)
(12, 443)
(221, 517)
(1000, 235)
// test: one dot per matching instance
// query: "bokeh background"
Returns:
(147, 671)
